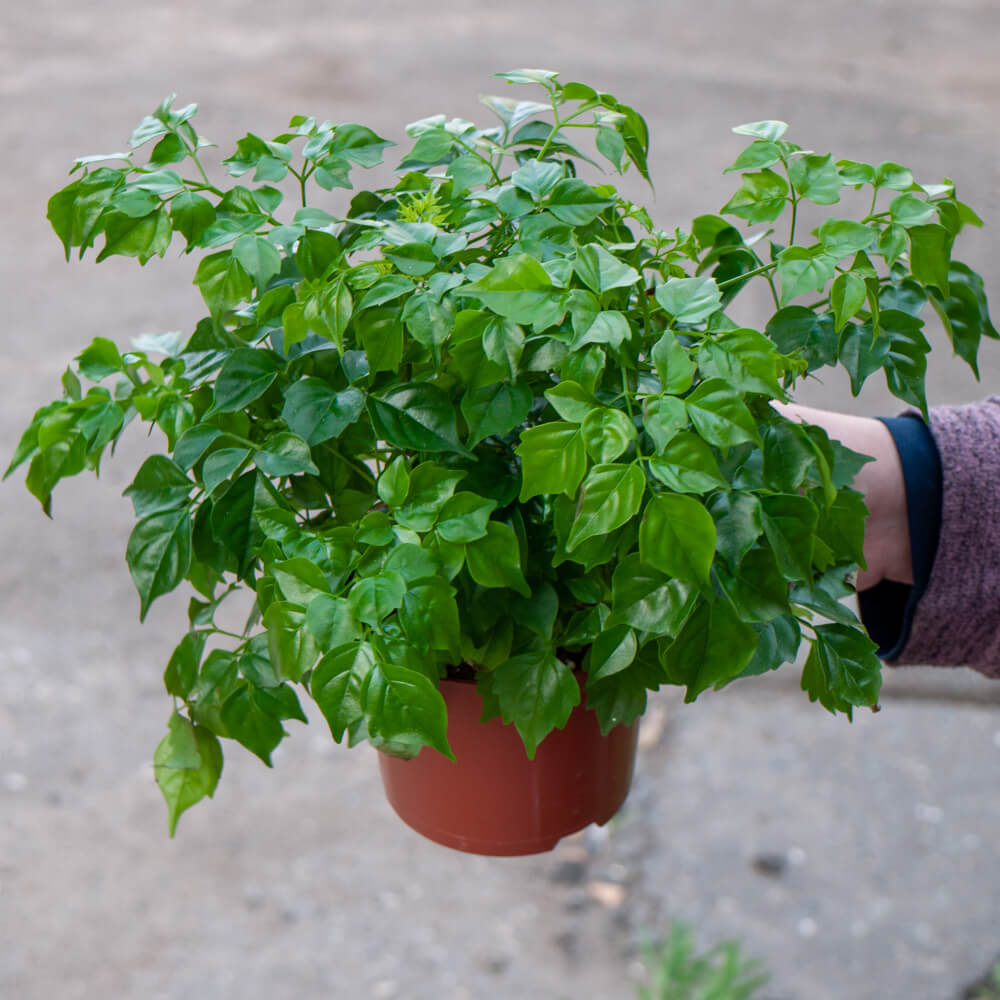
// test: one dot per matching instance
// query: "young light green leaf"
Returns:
(689, 300)
(769, 131)
(187, 765)
(673, 364)
(607, 433)
(601, 271)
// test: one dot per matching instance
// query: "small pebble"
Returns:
(568, 873)
(496, 964)
(607, 894)
(567, 943)
(807, 927)
(772, 865)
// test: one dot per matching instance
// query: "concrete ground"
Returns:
(857, 861)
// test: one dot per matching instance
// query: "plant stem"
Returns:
(763, 269)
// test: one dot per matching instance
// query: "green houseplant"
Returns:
(491, 419)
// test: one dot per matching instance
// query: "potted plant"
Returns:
(488, 440)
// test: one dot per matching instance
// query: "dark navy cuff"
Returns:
(887, 609)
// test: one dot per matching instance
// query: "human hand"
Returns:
(887, 533)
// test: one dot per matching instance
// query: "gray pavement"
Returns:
(858, 861)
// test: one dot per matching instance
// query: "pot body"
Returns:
(493, 800)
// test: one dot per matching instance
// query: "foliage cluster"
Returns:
(491, 415)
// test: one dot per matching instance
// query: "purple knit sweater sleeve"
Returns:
(957, 622)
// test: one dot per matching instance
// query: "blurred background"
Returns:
(857, 861)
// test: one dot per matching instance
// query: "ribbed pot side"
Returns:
(492, 799)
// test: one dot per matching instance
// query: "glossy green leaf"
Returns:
(430, 618)
(285, 454)
(430, 487)
(416, 416)
(249, 724)
(769, 131)
(245, 376)
(571, 401)
(712, 647)
(738, 524)
(601, 271)
(464, 517)
(673, 364)
(292, 648)
(553, 459)
(847, 296)
(790, 523)
(516, 287)
(223, 281)
(612, 651)
(646, 598)
(404, 711)
(159, 485)
(316, 412)
(815, 177)
(259, 257)
(536, 693)
(687, 465)
(803, 269)
(663, 418)
(495, 559)
(576, 203)
(159, 554)
(611, 497)
(336, 684)
(842, 671)
(331, 622)
(841, 237)
(606, 433)
(374, 597)
(495, 410)
(394, 483)
(761, 197)
(930, 255)
(677, 537)
(719, 414)
(100, 360)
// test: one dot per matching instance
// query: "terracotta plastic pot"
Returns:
(492, 799)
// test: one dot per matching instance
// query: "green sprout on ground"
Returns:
(676, 971)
